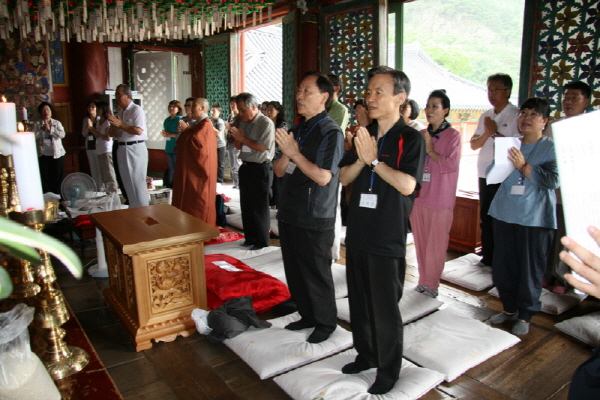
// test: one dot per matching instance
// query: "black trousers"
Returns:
(51, 173)
(255, 183)
(375, 285)
(486, 195)
(519, 266)
(307, 263)
(221, 163)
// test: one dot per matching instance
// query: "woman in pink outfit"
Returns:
(431, 216)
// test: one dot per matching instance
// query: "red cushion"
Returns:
(82, 221)
(223, 285)
(225, 236)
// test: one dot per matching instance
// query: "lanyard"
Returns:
(301, 140)
(378, 155)
(428, 157)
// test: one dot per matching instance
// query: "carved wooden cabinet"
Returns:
(155, 258)
(465, 234)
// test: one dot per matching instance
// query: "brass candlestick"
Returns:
(51, 310)
(21, 271)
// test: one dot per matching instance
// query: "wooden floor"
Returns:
(540, 367)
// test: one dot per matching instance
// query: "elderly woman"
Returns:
(410, 112)
(432, 213)
(524, 212)
(170, 132)
(90, 141)
(49, 133)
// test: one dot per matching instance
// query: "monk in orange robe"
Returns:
(195, 180)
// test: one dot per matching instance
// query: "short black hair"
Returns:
(586, 91)
(441, 94)
(323, 83)
(45, 103)
(336, 81)
(538, 104)
(232, 98)
(190, 99)
(401, 81)
(280, 112)
(505, 79)
(414, 109)
(218, 107)
(359, 102)
(102, 105)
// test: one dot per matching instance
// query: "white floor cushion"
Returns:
(462, 272)
(236, 250)
(553, 303)
(235, 220)
(324, 380)
(275, 350)
(451, 342)
(413, 306)
(234, 208)
(585, 328)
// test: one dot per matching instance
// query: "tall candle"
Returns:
(27, 171)
(8, 125)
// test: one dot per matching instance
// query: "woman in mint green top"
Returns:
(170, 132)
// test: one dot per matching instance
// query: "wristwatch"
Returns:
(374, 163)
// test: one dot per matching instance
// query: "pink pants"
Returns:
(431, 230)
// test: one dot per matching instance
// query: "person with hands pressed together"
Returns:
(49, 133)
(255, 137)
(585, 384)
(524, 212)
(386, 165)
(308, 164)
(129, 128)
(501, 120)
(432, 214)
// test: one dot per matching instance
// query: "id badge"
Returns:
(426, 177)
(47, 142)
(246, 149)
(290, 168)
(368, 200)
(91, 138)
(518, 189)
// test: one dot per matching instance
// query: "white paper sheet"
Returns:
(502, 165)
(577, 142)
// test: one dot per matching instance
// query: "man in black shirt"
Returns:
(385, 164)
(311, 152)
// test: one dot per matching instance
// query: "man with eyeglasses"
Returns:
(129, 128)
(501, 120)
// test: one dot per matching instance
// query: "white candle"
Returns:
(8, 125)
(27, 171)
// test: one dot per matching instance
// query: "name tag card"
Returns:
(426, 177)
(368, 200)
(517, 189)
(290, 168)
(246, 149)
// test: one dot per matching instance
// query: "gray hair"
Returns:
(247, 98)
(126, 89)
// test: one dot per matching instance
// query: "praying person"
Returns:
(308, 165)
(386, 165)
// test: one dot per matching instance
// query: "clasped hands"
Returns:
(366, 146)
(287, 143)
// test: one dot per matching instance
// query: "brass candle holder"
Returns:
(21, 271)
(60, 359)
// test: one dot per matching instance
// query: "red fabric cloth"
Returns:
(225, 236)
(222, 285)
(82, 221)
(195, 180)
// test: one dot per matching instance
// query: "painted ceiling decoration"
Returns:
(127, 20)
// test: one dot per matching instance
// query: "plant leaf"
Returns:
(13, 234)
(6, 286)
(22, 252)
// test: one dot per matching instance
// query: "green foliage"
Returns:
(471, 38)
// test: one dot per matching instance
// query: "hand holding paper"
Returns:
(503, 167)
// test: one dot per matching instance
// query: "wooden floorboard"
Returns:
(539, 367)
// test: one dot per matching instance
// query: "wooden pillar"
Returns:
(308, 44)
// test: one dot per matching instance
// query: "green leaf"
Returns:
(5, 283)
(13, 234)
(22, 252)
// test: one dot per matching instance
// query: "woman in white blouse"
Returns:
(49, 133)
